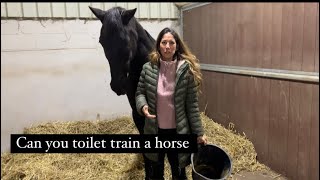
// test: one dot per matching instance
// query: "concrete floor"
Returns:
(263, 175)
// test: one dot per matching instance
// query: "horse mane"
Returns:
(149, 35)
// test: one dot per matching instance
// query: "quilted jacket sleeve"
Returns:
(141, 93)
(192, 107)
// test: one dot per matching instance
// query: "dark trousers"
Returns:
(157, 168)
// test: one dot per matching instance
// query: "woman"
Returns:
(167, 95)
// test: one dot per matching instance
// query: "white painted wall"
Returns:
(57, 71)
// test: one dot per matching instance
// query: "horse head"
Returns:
(118, 37)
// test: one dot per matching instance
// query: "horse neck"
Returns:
(145, 44)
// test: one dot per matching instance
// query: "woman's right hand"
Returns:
(145, 111)
(202, 140)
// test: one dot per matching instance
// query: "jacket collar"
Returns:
(180, 63)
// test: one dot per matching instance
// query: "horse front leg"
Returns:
(131, 91)
(138, 119)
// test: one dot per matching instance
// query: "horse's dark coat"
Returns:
(126, 46)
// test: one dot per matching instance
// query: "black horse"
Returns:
(126, 46)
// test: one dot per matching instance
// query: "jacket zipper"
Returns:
(156, 94)
(179, 73)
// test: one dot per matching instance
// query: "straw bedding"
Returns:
(115, 166)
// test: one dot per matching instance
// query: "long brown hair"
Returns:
(182, 53)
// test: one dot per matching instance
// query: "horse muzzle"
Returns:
(118, 88)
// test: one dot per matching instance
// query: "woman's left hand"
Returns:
(202, 139)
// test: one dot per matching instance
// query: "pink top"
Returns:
(165, 95)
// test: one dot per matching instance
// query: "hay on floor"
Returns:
(115, 166)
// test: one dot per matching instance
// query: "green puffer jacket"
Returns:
(185, 100)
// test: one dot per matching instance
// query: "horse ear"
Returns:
(98, 13)
(127, 15)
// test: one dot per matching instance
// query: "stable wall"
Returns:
(55, 70)
(251, 56)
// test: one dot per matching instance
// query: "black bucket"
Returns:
(210, 163)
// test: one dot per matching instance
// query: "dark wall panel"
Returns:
(293, 130)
